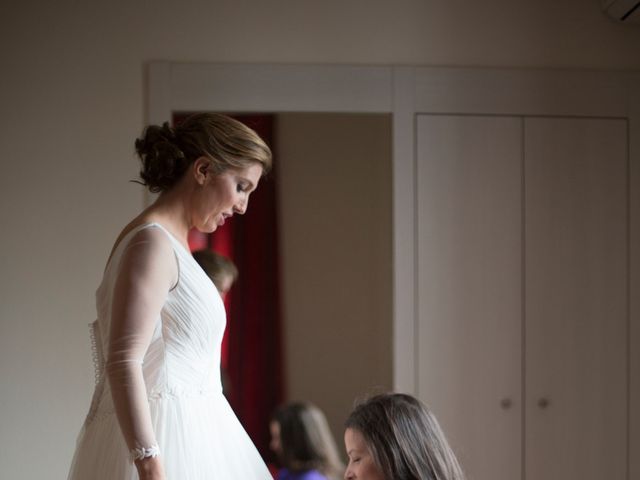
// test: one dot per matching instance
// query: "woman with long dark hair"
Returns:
(395, 437)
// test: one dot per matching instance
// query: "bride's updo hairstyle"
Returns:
(166, 153)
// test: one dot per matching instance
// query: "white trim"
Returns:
(269, 88)
(160, 101)
(404, 233)
(634, 275)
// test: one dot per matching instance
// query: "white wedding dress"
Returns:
(171, 391)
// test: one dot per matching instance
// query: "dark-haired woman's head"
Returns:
(302, 440)
(395, 437)
(166, 153)
(208, 165)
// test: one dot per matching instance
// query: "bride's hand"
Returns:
(150, 468)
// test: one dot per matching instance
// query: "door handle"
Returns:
(543, 403)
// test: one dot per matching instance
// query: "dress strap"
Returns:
(124, 241)
(171, 236)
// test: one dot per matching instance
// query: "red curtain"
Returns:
(252, 349)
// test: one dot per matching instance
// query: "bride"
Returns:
(158, 411)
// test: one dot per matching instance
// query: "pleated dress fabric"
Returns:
(199, 435)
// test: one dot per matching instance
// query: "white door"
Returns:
(522, 287)
(469, 184)
(576, 298)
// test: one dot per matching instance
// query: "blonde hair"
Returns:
(404, 439)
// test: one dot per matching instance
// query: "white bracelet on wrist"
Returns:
(142, 452)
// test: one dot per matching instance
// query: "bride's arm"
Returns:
(146, 273)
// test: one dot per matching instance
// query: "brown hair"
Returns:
(167, 152)
(404, 439)
(216, 266)
(306, 440)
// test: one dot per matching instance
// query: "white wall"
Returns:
(72, 101)
(334, 181)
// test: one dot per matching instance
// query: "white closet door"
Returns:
(576, 299)
(469, 183)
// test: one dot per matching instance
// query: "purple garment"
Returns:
(284, 474)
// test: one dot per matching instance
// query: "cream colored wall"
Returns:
(72, 100)
(335, 223)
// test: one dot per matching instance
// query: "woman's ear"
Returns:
(201, 170)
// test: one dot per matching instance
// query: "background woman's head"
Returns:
(166, 153)
(395, 437)
(302, 440)
(220, 269)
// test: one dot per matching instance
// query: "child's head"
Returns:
(394, 436)
(302, 440)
